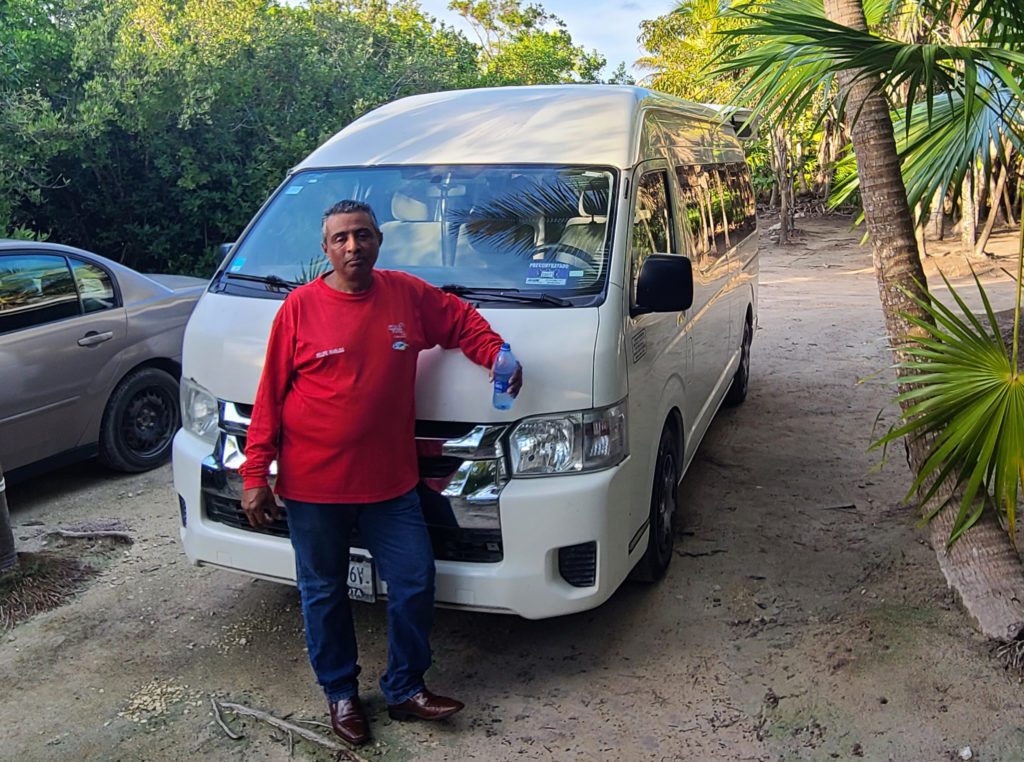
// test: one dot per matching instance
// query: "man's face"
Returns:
(352, 245)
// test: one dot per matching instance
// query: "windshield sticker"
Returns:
(293, 190)
(547, 274)
(575, 273)
(237, 264)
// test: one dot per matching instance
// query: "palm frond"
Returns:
(967, 403)
(799, 50)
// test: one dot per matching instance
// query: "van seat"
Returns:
(413, 237)
(586, 232)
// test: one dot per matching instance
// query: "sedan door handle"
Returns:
(93, 338)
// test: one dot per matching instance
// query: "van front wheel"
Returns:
(662, 522)
(741, 381)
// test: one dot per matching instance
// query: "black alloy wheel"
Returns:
(664, 509)
(140, 421)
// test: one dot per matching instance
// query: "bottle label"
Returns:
(501, 385)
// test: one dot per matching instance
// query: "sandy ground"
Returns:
(804, 616)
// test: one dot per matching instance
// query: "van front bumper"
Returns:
(552, 529)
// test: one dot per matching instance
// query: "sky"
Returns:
(611, 26)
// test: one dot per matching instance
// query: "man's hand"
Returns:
(260, 507)
(515, 383)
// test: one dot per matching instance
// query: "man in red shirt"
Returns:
(335, 407)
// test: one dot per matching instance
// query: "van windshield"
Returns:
(529, 228)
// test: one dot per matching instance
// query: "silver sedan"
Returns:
(90, 359)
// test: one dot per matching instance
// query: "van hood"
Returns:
(226, 340)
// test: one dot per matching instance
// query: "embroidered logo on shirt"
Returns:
(397, 330)
(400, 345)
(329, 352)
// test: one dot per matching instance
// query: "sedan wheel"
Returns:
(140, 421)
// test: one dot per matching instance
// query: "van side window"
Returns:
(35, 289)
(717, 208)
(652, 222)
(697, 212)
(742, 205)
(720, 201)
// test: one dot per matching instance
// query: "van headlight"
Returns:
(198, 411)
(569, 443)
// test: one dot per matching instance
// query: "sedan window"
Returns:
(35, 289)
(94, 286)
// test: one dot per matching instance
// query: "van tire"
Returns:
(140, 420)
(741, 380)
(664, 509)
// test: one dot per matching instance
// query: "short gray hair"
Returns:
(348, 206)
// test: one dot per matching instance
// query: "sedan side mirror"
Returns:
(665, 285)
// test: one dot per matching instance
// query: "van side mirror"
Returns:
(665, 285)
(224, 249)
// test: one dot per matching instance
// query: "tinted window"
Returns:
(94, 285)
(742, 205)
(35, 289)
(652, 221)
(505, 226)
(697, 211)
(717, 207)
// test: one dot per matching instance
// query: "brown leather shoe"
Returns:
(348, 718)
(424, 706)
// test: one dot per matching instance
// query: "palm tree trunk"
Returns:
(938, 215)
(968, 215)
(983, 568)
(8, 558)
(784, 181)
(919, 232)
(1008, 204)
(993, 212)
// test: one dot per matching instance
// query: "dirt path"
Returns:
(803, 617)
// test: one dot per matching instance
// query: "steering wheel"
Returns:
(557, 252)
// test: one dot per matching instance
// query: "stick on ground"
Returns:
(220, 721)
(302, 732)
(113, 534)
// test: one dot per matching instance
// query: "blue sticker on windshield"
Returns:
(293, 190)
(237, 264)
(547, 274)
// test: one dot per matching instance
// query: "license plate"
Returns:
(360, 579)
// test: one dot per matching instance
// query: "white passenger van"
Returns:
(608, 233)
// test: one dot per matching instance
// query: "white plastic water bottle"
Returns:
(504, 367)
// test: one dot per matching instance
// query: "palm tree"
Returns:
(970, 99)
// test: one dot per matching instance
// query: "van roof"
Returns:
(563, 124)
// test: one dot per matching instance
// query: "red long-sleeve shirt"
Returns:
(335, 403)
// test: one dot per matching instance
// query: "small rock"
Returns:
(966, 753)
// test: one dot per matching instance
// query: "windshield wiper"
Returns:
(271, 281)
(506, 294)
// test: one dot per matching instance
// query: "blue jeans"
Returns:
(395, 534)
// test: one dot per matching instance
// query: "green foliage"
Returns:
(963, 97)
(967, 402)
(525, 45)
(151, 130)
(684, 45)
(620, 76)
